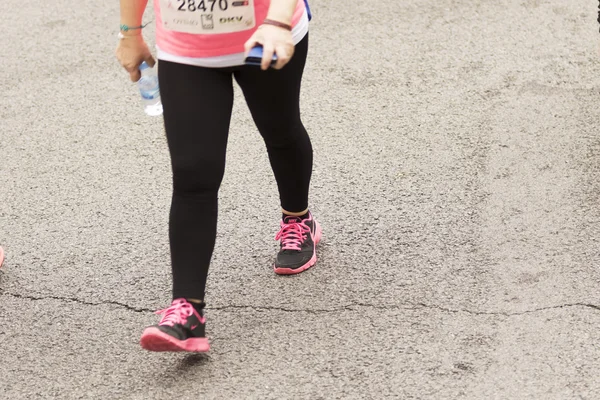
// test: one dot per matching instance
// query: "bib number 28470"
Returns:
(207, 16)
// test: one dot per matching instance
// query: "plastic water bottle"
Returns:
(148, 85)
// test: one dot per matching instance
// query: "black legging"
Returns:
(197, 105)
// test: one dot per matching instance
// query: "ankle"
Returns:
(300, 215)
(198, 305)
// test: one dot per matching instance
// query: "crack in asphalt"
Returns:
(347, 307)
(511, 314)
(75, 300)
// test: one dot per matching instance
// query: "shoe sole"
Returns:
(310, 263)
(153, 339)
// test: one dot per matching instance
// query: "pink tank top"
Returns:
(197, 16)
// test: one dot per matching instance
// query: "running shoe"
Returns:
(181, 328)
(298, 239)
(1, 256)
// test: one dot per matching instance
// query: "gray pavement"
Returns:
(461, 136)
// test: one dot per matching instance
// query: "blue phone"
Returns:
(255, 56)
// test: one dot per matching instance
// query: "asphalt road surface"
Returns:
(457, 174)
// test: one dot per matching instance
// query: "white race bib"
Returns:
(207, 16)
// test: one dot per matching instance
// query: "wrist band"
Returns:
(277, 24)
(126, 28)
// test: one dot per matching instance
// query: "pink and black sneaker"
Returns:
(181, 328)
(298, 239)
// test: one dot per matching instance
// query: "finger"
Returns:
(250, 43)
(131, 67)
(150, 61)
(135, 75)
(268, 52)
(283, 56)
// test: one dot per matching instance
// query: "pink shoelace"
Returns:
(292, 234)
(177, 313)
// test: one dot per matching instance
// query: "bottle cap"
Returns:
(144, 66)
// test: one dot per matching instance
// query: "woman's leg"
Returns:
(273, 98)
(197, 105)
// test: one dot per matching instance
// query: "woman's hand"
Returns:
(275, 40)
(131, 52)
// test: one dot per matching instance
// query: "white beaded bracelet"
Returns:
(121, 36)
